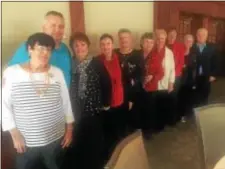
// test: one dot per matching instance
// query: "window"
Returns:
(184, 26)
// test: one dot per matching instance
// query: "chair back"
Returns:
(210, 122)
(129, 154)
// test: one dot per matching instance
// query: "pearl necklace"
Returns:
(39, 91)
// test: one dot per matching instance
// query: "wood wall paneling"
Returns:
(167, 13)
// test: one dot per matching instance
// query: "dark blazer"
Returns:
(98, 92)
(206, 59)
(131, 70)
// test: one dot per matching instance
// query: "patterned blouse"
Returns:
(90, 89)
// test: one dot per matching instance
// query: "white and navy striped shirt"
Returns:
(41, 120)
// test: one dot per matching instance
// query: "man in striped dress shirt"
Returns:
(36, 106)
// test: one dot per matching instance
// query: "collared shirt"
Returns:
(201, 48)
(60, 58)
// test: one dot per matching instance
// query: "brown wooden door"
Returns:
(167, 14)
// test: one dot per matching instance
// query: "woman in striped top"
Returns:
(36, 106)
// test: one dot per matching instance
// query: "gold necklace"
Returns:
(40, 92)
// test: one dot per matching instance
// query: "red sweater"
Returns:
(114, 70)
(154, 68)
(178, 52)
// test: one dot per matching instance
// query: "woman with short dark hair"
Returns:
(90, 95)
(113, 119)
(36, 106)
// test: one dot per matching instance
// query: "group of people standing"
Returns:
(101, 99)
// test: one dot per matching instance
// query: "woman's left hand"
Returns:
(170, 87)
(130, 105)
(67, 138)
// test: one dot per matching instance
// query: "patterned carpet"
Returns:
(177, 148)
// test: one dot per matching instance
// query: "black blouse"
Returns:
(190, 71)
(98, 90)
(132, 71)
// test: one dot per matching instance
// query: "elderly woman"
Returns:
(190, 61)
(90, 94)
(36, 106)
(114, 118)
(189, 72)
(159, 82)
(142, 116)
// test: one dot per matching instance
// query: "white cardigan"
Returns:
(168, 64)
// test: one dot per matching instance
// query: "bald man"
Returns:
(205, 54)
(54, 25)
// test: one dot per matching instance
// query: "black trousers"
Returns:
(175, 101)
(86, 150)
(187, 100)
(114, 123)
(194, 95)
(135, 121)
(203, 89)
(156, 114)
(51, 156)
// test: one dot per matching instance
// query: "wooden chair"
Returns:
(129, 154)
(210, 122)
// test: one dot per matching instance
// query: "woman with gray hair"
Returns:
(189, 76)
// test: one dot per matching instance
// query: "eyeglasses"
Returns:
(42, 49)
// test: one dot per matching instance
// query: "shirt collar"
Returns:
(201, 45)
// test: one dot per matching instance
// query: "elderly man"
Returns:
(54, 26)
(205, 54)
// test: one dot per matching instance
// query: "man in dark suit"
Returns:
(205, 72)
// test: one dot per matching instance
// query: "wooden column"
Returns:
(77, 16)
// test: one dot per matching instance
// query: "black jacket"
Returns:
(98, 92)
(206, 59)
